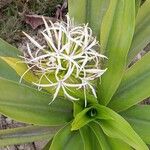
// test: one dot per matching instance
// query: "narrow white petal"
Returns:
(54, 29)
(47, 27)
(45, 85)
(84, 63)
(69, 96)
(93, 71)
(74, 85)
(59, 38)
(85, 99)
(33, 41)
(29, 51)
(93, 90)
(55, 94)
(69, 72)
(49, 40)
(25, 73)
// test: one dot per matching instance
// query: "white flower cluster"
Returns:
(69, 55)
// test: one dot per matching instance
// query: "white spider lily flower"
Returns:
(69, 59)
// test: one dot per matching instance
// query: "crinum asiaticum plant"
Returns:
(78, 91)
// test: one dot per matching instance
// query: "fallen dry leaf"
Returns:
(36, 20)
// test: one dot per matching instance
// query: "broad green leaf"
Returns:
(88, 115)
(77, 108)
(75, 11)
(28, 105)
(83, 118)
(26, 134)
(116, 35)
(117, 144)
(135, 86)
(119, 128)
(106, 142)
(100, 136)
(65, 139)
(142, 32)
(7, 72)
(21, 69)
(89, 139)
(137, 5)
(26, 74)
(140, 112)
(7, 50)
(111, 123)
(88, 11)
(139, 118)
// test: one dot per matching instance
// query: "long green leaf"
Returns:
(89, 115)
(26, 134)
(31, 106)
(100, 136)
(21, 69)
(112, 124)
(137, 5)
(106, 142)
(88, 11)
(89, 139)
(67, 140)
(7, 50)
(116, 36)
(118, 144)
(75, 11)
(139, 118)
(82, 118)
(119, 128)
(134, 87)
(142, 32)
(7, 72)
(25, 73)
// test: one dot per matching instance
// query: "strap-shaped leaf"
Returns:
(137, 5)
(131, 89)
(89, 139)
(116, 36)
(112, 124)
(31, 106)
(119, 128)
(65, 139)
(118, 144)
(95, 139)
(82, 118)
(26, 74)
(142, 32)
(88, 11)
(7, 72)
(139, 118)
(89, 115)
(7, 50)
(106, 142)
(26, 134)
(20, 68)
